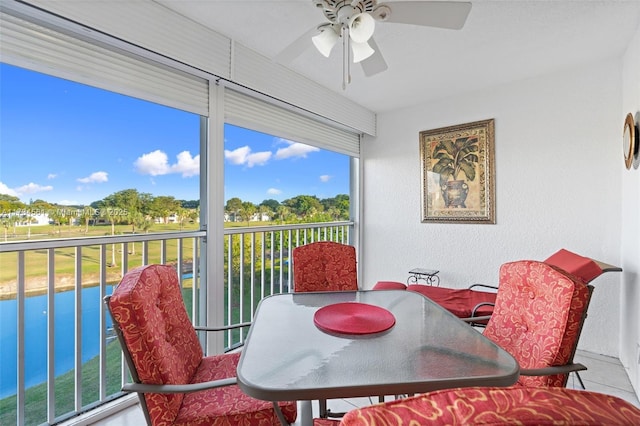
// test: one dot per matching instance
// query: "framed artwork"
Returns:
(629, 142)
(458, 178)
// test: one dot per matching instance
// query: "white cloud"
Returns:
(4, 189)
(187, 165)
(243, 155)
(325, 178)
(274, 191)
(154, 163)
(258, 158)
(32, 188)
(237, 156)
(294, 149)
(96, 177)
(52, 176)
(69, 203)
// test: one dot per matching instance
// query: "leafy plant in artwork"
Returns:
(452, 158)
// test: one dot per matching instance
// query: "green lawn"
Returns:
(36, 260)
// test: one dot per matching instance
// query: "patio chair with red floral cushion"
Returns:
(499, 406)
(538, 317)
(324, 266)
(176, 384)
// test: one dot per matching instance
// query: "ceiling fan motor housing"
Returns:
(340, 11)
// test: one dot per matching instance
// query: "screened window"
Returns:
(280, 180)
(78, 161)
(68, 149)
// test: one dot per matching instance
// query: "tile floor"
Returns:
(604, 374)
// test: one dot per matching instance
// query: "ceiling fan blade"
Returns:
(375, 63)
(295, 49)
(440, 14)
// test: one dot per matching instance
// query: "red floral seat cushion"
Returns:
(537, 317)
(499, 406)
(325, 266)
(164, 348)
(228, 405)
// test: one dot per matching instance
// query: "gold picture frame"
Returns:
(629, 142)
(458, 176)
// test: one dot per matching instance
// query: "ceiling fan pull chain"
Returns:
(346, 53)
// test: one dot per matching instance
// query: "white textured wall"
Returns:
(630, 312)
(558, 159)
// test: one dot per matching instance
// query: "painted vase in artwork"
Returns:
(455, 193)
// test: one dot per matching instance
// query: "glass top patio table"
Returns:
(287, 357)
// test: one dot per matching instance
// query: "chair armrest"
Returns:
(548, 371)
(222, 328)
(474, 319)
(195, 387)
(186, 388)
(483, 285)
(475, 308)
(606, 267)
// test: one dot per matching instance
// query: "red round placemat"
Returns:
(353, 318)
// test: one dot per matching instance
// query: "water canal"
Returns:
(36, 336)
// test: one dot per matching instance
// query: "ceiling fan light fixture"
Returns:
(381, 12)
(325, 41)
(361, 51)
(361, 27)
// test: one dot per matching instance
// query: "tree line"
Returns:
(302, 208)
(140, 210)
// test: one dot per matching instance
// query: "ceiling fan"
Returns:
(354, 21)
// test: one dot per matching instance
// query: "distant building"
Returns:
(28, 219)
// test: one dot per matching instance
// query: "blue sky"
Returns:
(67, 143)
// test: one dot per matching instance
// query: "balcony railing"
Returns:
(260, 264)
(59, 357)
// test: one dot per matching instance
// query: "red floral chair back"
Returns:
(538, 317)
(325, 266)
(162, 343)
(162, 348)
(499, 406)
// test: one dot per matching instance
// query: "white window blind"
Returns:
(29, 45)
(249, 112)
(251, 69)
(37, 40)
(155, 27)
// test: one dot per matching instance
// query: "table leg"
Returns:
(306, 413)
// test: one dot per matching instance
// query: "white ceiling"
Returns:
(502, 41)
